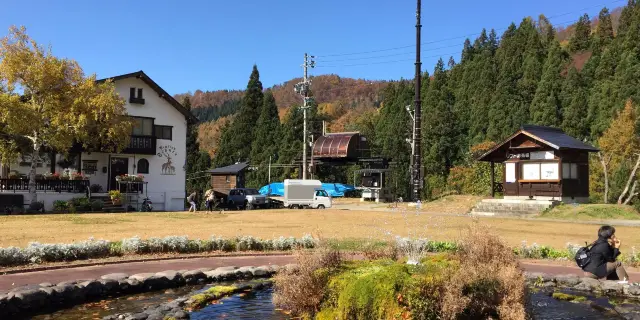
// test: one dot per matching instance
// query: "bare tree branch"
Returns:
(631, 178)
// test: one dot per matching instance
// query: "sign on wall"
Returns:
(89, 166)
(549, 171)
(168, 152)
(511, 172)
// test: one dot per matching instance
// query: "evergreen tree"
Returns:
(236, 142)
(267, 140)
(506, 99)
(440, 130)
(546, 31)
(467, 51)
(545, 108)
(574, 100)
(392, 133)
(601, 104)
(198, 160)
(581, 38)
(604, 31)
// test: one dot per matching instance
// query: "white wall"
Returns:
(166, 191)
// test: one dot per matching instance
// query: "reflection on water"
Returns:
(545, 307)
(133, 303)
(258, 305)
(255, 305)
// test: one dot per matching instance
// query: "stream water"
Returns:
(258, 305)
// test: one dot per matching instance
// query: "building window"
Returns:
(511, 172)
(143, 166)
(164, 132)
(540, 171)
(136, 98)
(228, 179)
(570, 171)
(143, 126)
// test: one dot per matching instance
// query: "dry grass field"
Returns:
(334, 223)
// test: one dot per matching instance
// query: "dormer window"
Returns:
(135, 96)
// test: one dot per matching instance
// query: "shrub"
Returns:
(249, 243)
(95, 188)
(488, 283)
(80, 204)
(301, 289)
(36, 206)
(60, 206)
(97, 205)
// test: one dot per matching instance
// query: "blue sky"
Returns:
(212, 45)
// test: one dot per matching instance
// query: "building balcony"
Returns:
(141, 145)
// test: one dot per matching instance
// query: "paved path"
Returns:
(55, 276)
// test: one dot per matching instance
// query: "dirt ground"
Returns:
(367, 223)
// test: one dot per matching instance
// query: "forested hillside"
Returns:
(578, 81)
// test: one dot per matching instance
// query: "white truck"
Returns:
(305, 193)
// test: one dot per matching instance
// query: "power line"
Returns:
(404, 60)
(460, 37)
(389, 55)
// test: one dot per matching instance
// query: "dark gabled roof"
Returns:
(163, 94)
(556, 138)
(552, 137)
(232, 169)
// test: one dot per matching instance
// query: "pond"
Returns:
(258, 305)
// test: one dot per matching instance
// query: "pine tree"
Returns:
(236, 142)
(574, 100)
(604, 31)
(582, 36)
(602, 106)
(545, 108)
(267, 139)
(198, 160)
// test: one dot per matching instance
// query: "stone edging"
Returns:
(32, 299)
(605, 287)
(105, 263)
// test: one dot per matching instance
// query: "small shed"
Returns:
(230, 177)
(541, 163)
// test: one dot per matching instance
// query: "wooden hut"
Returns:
(541, 163)
(226, 178)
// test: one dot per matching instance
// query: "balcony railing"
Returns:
(73, 186)
(141, 145)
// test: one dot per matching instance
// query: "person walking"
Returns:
(605, 250)
(192, 201)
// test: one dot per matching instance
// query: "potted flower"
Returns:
(116, 197)
(139, 178)
(78, 176)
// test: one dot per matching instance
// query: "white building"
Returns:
(157, 149)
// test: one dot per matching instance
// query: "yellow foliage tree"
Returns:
(619, 144)
(50, 103)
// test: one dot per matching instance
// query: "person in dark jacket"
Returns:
(604, 252)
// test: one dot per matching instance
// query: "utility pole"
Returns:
(302, 88)
(417, 111)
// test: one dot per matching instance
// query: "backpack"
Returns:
(583, 255)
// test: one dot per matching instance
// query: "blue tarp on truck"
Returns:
(333, 189)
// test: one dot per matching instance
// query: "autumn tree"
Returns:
(620, 149)
(50, 102)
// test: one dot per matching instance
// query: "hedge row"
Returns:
(91, 249)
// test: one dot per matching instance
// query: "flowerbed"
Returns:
(92, 249)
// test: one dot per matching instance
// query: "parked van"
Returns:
(305, 193)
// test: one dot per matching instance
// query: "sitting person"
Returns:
(605, 250)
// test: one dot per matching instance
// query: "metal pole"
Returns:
(269, 171)
(416, 174)
(303, 89)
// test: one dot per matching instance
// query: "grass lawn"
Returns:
(592, 212)
(351, 226)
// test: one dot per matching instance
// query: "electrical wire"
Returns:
(459, 37)
(561, 24)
